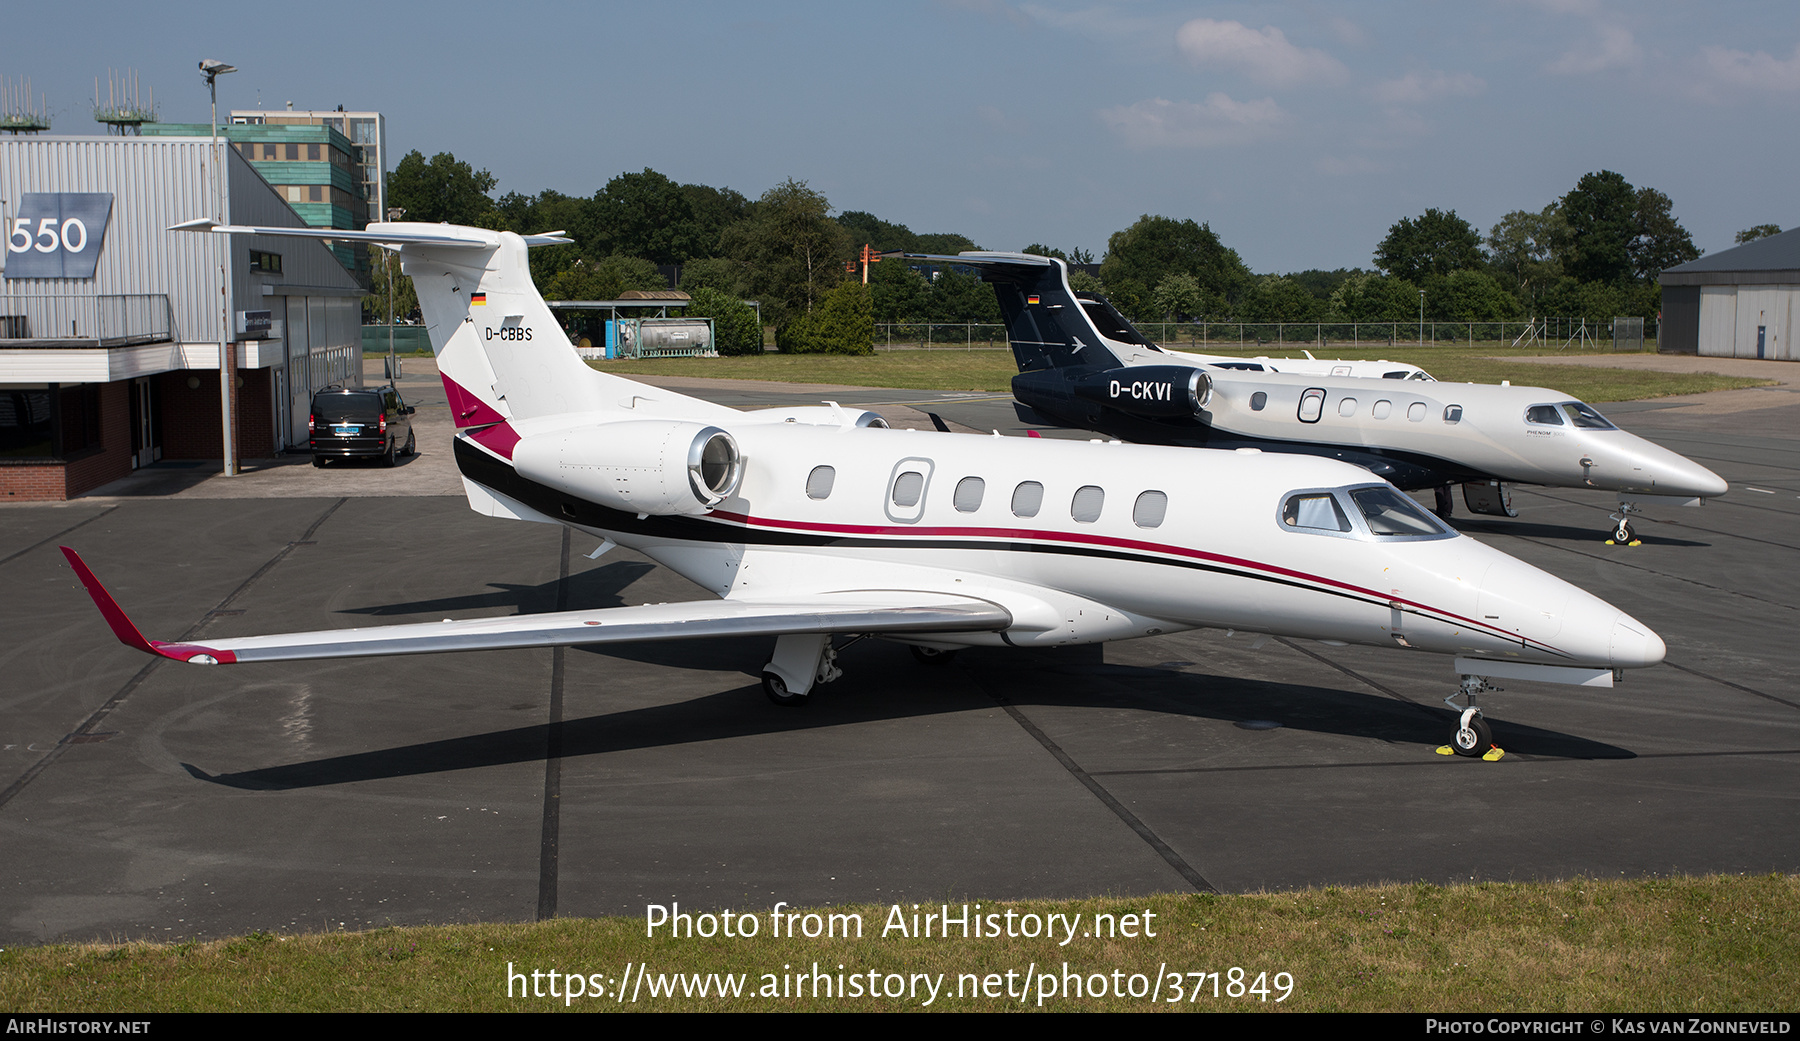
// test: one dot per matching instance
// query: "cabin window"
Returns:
(819, 482)
(1315, 511)
(1416, 412)
(1150, 509)
(1087, 503)
(1381, 409)
(968, 494)
(1258, 400)
(1027, 499)
(1312, 404)
(908, 487)
(1584, 417)
(1400, 375)
(1545, 415)
(1347, 407)
(1453, 413)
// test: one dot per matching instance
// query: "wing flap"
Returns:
(840, 611)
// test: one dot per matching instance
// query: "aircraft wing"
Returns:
(845, 611)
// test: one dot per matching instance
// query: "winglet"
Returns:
(127, 632)
(109, 608)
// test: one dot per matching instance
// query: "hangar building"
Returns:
(1737, 303)
(110, 324)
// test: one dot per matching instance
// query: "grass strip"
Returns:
(1706, 944)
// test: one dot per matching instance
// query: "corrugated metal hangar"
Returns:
(1736, 303)
(111, 325)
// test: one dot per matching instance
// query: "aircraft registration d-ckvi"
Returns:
(814, 522)
(1081, 363)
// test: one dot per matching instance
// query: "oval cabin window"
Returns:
(1149, 510)
(1027, 499)
(908, 487)
(819, 482)
(1087, 503)
(968, 494)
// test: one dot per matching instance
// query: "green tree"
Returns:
(1157, 246)
(1273, 298)
(1469, 296)
(406, 299)
(1438, 243)
(1601, 213)
(719, 273)
(1659, 241)
(1179, 297)
(1375, 298)
(646, 215)
(442, 190)
(842, 324)
(1525, 248)
(792, 250)
(604, 280)
(1761, 231)
(899, 293)
(735, 325)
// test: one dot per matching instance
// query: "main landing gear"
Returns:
(1472, 737)
(805, 660)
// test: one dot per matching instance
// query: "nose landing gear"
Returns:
(1622, 534)
(1472, 737)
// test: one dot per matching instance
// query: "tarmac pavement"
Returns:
(147, 799)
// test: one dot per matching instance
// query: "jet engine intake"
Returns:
(651, 467)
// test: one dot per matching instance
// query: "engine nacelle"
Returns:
(655, 467)
(818, 415)
(1147, 390)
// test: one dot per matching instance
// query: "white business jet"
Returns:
(1081, 363)
(809, 523)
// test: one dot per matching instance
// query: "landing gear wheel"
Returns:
(412, 444)
(931, 655)
(778, 692)
(1473, 737)
(388, 459)
(1623, 533)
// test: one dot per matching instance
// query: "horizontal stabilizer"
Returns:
(395, 234)
(847, 611)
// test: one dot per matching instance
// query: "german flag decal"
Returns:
(1032, 299)
(477, 299)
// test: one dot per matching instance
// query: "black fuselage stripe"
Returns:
(484, 469)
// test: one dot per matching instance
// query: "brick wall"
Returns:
(190, 415)
(56, 481)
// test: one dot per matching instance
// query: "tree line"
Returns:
(1595, 252)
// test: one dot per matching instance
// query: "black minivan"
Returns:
(351, 422)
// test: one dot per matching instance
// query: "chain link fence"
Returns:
(1550, 333)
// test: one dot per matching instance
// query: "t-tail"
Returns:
(506, 363)
(1045, 324)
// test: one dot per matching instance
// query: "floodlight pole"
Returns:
(1421, 317)
(227, 358)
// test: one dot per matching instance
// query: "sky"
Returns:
(1300, 132)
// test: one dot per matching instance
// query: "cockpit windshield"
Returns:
(1384, 512)
(1388, 513)
(1585, 417)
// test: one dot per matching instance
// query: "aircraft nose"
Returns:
(1698, 480)
(1634, 645)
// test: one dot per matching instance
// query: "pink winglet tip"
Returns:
(122, 626)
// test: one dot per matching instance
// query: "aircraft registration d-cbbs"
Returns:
(818, 521)
(1081, 363)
